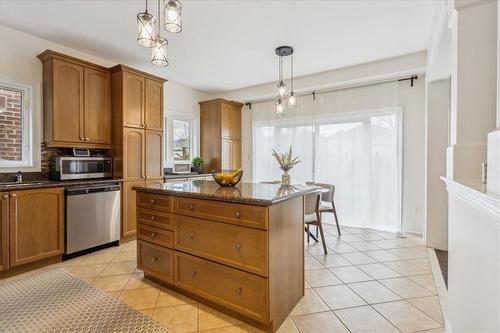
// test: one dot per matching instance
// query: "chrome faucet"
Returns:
(19, 177)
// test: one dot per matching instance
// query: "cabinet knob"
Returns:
(153, 235)
(87, 139)
(191, 207)
(237, 247)
(13, 195)
(152, 201)
(154, 259)
(152, 217)
(5, 196)
(82, 139)
(237, 214)
(239, 291)
(191, 235)
(194, 273)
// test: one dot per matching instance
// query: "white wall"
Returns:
(19, 63)
(412, 99)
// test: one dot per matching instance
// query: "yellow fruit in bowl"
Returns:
(228, 178)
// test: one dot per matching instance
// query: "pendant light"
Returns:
(160, 49)
(292, 99)
(146, 28)
(283, 100)
(172, 16)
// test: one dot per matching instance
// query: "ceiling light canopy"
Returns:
(284, 100)
(148, 37)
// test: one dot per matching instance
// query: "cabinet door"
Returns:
(133, 100)
(133, 154)
(4, 230)
(129, 211)
(154, 105)
(36, 225)
(226, 155)
(154, 154)
(235, 120)
(67, 102)
(97, 107)
(225, 120)
(236, 154)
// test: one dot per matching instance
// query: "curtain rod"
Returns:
(313, 93)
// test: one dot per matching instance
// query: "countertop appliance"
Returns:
(92, 217)
(180, 167)
(74, 167)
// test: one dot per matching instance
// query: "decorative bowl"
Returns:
(227, 178)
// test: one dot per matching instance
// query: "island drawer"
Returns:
(240, 214)
(243, 292)
(155, 218)
(156, 261)
(240, 247)
(155, 201)
(155, 235)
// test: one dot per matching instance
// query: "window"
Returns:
(16, 126)
(182, 140)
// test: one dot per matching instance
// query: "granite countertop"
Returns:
(185, 175)
(29, 185)
(248, 193)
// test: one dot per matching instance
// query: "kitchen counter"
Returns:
(248, 193)
(185, 175)
(29, 185)
(239, 249)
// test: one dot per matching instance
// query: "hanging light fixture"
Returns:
(146, 28)
(160, 49)
(172, 15)
(292, 99)
(283, 100)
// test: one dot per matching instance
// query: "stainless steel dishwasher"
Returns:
(92, 217)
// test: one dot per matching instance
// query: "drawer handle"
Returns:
(194, 273)
(152, 201)
(191, 207)
(153, 235)
(237, 214)
(154, 259)
(237, 247)
(152, 218)
(191, 235)
(238, 291)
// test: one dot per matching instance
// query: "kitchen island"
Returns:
(239, 249)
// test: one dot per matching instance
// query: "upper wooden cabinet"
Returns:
(133, 100)
(76, 102)
(36, 225)
(153, 117)
(220, 132)
(4, 231)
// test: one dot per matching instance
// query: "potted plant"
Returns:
(197, 164)
(286, 162)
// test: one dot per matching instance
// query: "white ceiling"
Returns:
(227, 45)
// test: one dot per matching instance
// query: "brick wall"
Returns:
(10, 125)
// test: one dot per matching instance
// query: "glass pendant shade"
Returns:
(279, 110)
(172, 14)
(281, 89)
(146, 29)
(292, 100)
(160, 52)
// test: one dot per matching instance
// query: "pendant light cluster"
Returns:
(149, 36)
(284, 100)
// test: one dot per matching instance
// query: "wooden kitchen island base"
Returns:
(239, 250)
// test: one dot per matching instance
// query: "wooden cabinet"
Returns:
(97, 106)
(220, 132)
(76, 102)
(36, 225)
(4, 230)
(137, 135)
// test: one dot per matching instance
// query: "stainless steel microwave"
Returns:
(70, 167)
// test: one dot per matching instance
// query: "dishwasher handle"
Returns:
(92, 189)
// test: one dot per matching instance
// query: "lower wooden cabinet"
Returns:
(4, 230)
(36, 225)
(129, 218)
(156, 260)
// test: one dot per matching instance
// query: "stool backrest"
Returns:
(327, 196)
(311, 203)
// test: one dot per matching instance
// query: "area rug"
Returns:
(56, 301)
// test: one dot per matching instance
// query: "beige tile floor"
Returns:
(370, 281)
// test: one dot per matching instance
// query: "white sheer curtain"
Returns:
(350, 138)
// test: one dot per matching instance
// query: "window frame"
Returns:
(169, 118)
(31, 154)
